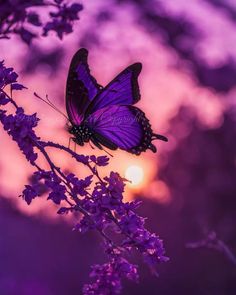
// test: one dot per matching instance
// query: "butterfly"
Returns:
(106, 116)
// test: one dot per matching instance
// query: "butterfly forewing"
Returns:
(122, 90)
(81, 87)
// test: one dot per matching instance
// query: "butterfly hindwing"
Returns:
(125, 126)
(81, 87)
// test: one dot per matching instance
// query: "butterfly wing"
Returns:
(122, 90)
(124, 127)
(81, 87)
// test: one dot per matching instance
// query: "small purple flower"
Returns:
(3, 99)
(82, 158)
(29, 193)
(100, 161)
(50, 182)
(43, 175)
(79, 185)
(85, 225)
(17, 86)
(8, 76)
(57, 194)
(115, 185)
(64, 210)
(131, 223)
(151, 247)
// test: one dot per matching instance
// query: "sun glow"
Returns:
(134, 174)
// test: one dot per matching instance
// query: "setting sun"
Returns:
(134, 174)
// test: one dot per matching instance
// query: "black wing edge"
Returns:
(80, 56)
(148, 135)
(136, 70)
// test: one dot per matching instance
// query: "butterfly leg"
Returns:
(91, 145)
(74, 146)
(98, 145)
(69, 142)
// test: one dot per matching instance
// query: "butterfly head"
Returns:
(81, 134)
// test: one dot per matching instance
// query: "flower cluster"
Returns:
(62, 20)
(108, 276)
(50, 181)
(8, 77)
(19, 125)
(19, 17)
(99, 200)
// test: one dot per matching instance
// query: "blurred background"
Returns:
(188, 189)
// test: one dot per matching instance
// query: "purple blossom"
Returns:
(79, 185)
(148, 244)
(85, 225)
(131, 223)
(57, 194)
(3, 99)
(29, 193)
(64, 210)
(100, 161)
(22, 18)
(115, 185)
(17, 86)
(8, 76)
(108, 276)
(20, 127)
(81, 158)
(52, 183)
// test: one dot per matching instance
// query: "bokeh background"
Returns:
(188, 88)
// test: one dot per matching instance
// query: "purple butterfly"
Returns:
(106, 115)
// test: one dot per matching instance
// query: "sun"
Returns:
(134, 174)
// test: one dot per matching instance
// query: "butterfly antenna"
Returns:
(55, 108)
(91, 146)
(48, 102)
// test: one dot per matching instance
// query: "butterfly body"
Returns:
(81, 133)
(107, 116)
